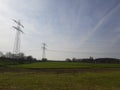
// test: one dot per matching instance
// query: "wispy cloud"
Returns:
(64, 24)
(101, 22)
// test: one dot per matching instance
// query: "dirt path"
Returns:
(59, 70)
(76, 70)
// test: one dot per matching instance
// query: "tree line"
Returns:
(10, 58)
(97, 60)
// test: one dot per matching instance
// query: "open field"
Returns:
(66, 65)
(63, 81)
(60, 76)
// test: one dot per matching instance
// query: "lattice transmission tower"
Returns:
(44, 48)
(16, 48)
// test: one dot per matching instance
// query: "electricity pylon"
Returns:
(44, 53)
(16, 49)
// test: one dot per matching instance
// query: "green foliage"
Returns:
(4, 62)
(44, 59)
(16, 61)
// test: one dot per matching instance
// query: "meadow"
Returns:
(65, 65)
(36, 76)
(60, 81)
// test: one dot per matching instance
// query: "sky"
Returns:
(70, 28)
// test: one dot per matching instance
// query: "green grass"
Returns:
(7, 62)
(18, 78)
(66, 65)
(65, 81)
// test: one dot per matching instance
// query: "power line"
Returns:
(63, 51)
(51, 50)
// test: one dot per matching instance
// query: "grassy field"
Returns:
(66, 65)
(64, 81)
(30, 76)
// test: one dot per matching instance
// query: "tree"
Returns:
(9, 55)
(1, 54)
(21, 55)
(29, 58)
(44, 59)
(68, 60)
(74, 59)
(91, 58)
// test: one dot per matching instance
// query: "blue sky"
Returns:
(74, 28)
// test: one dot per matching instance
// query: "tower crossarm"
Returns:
(18, 23)
(17, 28)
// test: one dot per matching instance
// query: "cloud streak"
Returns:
(63, 25)
(102, 21)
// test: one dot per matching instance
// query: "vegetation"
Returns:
(15, 61)
(97, 60)
(66, 65)
(64, 81)
(28, 74)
